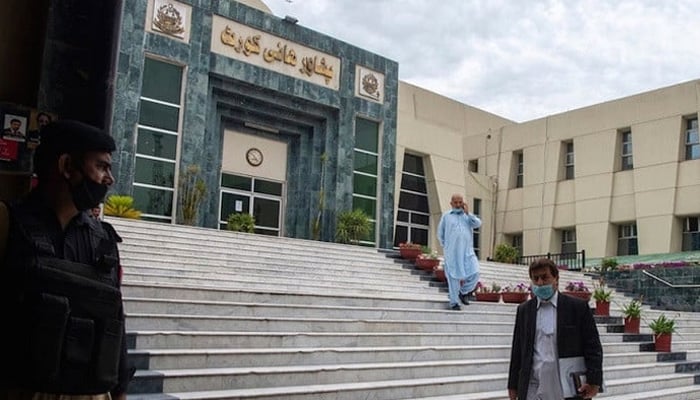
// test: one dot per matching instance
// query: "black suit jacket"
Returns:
(577, 335)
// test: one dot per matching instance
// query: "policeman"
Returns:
(60, 287)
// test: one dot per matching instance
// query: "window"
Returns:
(627, 240)
(518, 167)
(569, 160)
(516, 241)
(691, 234)
(568, 243)
(692, 140)
(413, 217)
(157, 137)
(477, 232)
(626, 149)
(258, 197)
(474, 166)
(366, 171)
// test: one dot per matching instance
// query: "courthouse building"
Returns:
(277, 115)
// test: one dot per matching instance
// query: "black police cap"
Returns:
(70, 137)
(67, 136)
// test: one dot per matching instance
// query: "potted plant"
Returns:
(488, 293)
(608, 264)
(632, 312)
(506, 253)
(602, 300)
(577, 289)
(410, 250)
(515, 294)
(427, 260)
(121, 206)
(193, 190)
(352, 226)
(663, 328)
(240, 222)
(439, 272)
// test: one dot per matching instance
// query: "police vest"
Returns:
(66, 318)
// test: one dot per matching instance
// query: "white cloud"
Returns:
(519, 59)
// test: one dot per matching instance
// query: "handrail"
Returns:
(669, 284)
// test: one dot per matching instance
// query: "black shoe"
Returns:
(455, 307)
(464, 298)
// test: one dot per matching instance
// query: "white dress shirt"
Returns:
(544, 380)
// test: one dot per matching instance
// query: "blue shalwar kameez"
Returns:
(456, 235)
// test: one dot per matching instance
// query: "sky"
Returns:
(520, 59)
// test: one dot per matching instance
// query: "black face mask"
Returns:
(88, 194)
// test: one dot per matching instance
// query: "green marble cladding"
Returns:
(221, 92)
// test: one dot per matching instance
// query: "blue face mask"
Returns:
(458, 211)
(544, 292)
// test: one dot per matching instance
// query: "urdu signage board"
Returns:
(252, 46)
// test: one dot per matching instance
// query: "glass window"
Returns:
(692, 140)
(153, 201)
(569, 160)
(474, 166)
(627, 240)
(369, 206)
(691, 234)
(519, 169)
(410, 201)
(402, 216)
(413, 183)
(366, 134)
(626, 155)
(161, 81)
(366, 185)
(419, 235)
(236, 182)
(266, 212)
(228, 204)
(400, 235)
(365, 163)
(413, 164)
(159, 115)
(268, 187)
(154, 172)
(568, 241)
(420, 219)
(156, 144)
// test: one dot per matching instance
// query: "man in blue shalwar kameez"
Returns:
(456, 235)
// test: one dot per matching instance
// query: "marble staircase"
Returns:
(224, 315)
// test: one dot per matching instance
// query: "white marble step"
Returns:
(137, 321)
(219, 378)
(252, 309)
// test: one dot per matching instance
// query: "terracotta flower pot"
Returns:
(602, 308)
(409, 253)
(581, 295)
(490, 296)
(662, 342)
(514, 297)
(427, 263)
(632, 325)
(440, 275)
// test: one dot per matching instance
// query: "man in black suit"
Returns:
(548, 328)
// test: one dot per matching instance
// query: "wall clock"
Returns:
(254, 156)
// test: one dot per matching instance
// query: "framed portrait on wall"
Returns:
(14, 127)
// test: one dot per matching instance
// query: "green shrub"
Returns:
(663, 325)
(506, 253)
(192, 191)
(121, 206)
(352, 226)
(607, 264)
(241, 222)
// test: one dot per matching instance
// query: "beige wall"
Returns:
(660, 189)
(236, 144)
(434, 127)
